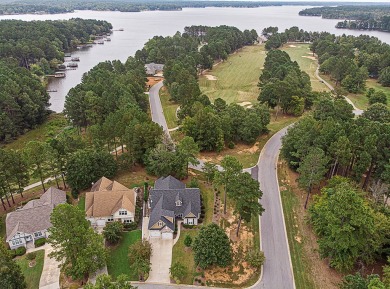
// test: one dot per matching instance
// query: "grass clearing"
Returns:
(304, 57)
(236, 78)
(136, 177)
(170, 108)
(55, 123)
(81, 203)
(32, 274)
(119, 263)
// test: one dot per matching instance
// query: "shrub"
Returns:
(40, 242)
(255, 258)
(20, 251)
(178, 272)
(13, 253)
(31, 256)
(193, 183)
(231, 145)
(187, 241)
(188, 226)
(130, 226)
(113, 232)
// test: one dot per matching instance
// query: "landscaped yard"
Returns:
(81, 203)
(170, 108)
(55, 123)
(119, 263)
(33, 274)
(235, 80)
(304, 57)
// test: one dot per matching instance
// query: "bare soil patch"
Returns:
(152, 80)
(210, 77)
(292, 46)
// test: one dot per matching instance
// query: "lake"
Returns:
(141, 26)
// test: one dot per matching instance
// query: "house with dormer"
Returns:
(169, 200)
(109, 201)
(31, 222)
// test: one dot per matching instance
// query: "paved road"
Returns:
(277, 271)
(356, 110)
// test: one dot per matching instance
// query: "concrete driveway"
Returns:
(50, 278)
(161, 260)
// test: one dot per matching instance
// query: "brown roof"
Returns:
(35, 215)
(107, 197)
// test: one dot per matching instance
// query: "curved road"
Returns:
(277, 270)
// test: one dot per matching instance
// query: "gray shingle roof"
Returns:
(35, 215)
(153, 68)
(163, 199)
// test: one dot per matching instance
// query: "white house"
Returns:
(31, 222)
(109, 201)
(168, 200)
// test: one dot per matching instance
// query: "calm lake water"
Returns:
(139, 27)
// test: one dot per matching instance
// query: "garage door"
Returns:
(101, 223)
(167, 235)
(154, 234)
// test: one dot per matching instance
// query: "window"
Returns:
(127, 221)
(16, 242)
(37, 234)
(160, 223)
(122, 213)
(110, 219)
(178, 203)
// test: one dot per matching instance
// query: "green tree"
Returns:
(209, 170)
(357, 281)
(11, 276)
(188, 241)
(106, 282)
(384, 77)
(139, 258)
(245, 192)
(231, 169)
(112, 232)
(86, 166)
(76, 245)
(312, 170)
(212, 247)
(188, 150)
(377, 112)
(378, 97)
(36, 155)
(345, 225)
(178, 271)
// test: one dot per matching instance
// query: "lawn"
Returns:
(361, 101)
(55, 123)
(136, 177)
(81, 203)
(304, 57)
(118, 263)
(185, 256)
(170, 108)
(236, 78)
(32, 275)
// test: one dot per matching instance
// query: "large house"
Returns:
(109, 201)
(168, 200)
(153, 68)
(32, 221)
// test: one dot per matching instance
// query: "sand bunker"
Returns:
(293, 46)
(245, 103)
(309, 57)
(210, 77)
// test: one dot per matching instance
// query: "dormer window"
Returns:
(178, 203)
(160, 223)
(122, 213)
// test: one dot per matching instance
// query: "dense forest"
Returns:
(356, 17)
(52, 6)
(29, 50)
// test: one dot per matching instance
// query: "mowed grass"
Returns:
(119, 262)
(301, 267)
(304, 57)
(33, 274)
(55, 123)
(185, 256)
(361, 101)
(136, 177)
(81, 203)
(237, 77)
(170, 108)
